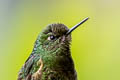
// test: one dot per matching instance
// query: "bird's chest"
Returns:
(58, 67)
(52, 74)
(57, 62)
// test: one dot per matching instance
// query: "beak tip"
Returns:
(77, 25)
(87, 18)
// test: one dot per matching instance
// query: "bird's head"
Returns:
(55, 38)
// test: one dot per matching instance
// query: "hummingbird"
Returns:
(51, 56)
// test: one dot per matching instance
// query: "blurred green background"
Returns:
(95, 45)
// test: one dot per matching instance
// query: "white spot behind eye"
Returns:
(48, 38)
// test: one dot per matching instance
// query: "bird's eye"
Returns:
(51, 37)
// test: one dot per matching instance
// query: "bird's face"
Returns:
(54, 37)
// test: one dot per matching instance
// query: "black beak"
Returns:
(74, 27)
